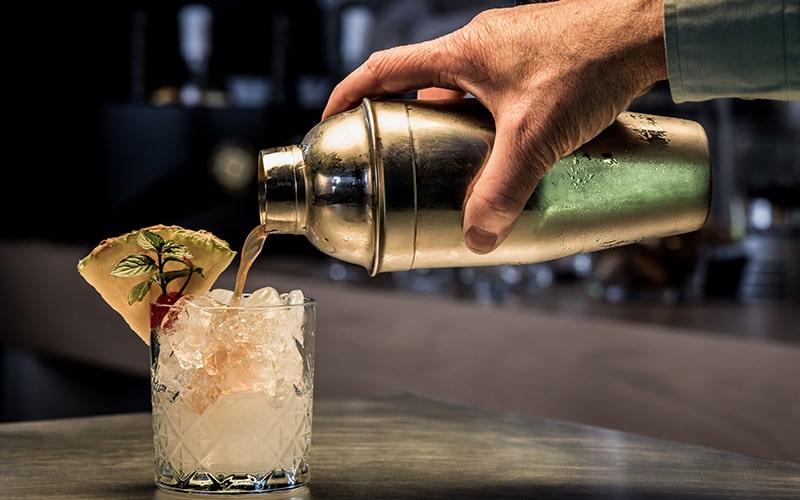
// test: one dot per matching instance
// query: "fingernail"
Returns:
(480, 241)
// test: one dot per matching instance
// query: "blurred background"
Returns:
(130, 113)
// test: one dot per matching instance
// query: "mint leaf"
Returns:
(134, 265)
(173, 249)
(150, 241)
(140, 264)
(139, 291)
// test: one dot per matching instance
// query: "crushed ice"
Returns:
(207, 352)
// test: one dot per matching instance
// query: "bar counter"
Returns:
(404, 447)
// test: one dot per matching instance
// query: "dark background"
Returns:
(84, 131)
(90, 155)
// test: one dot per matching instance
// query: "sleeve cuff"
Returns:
(733, 48)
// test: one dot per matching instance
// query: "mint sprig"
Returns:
(140, 264)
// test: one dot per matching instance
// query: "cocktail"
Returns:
(232, 373)
(232, 392)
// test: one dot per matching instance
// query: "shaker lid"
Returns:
(279, 199)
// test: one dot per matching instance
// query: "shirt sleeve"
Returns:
(748, 49)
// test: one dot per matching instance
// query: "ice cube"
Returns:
(185, 328)
(221, 295)
(198, 301)
(295, 297)
(266, 296)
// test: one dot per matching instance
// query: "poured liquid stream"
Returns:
(252, 247)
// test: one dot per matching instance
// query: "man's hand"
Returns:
(553, 75)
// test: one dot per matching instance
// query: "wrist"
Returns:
(649, 45)
(634, 40)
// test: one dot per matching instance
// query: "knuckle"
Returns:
(501, 200)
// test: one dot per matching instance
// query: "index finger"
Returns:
(392, 71)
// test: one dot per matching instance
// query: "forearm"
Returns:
(733, 48)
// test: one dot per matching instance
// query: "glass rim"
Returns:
(307, 302)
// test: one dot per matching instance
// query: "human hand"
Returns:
(553, 75)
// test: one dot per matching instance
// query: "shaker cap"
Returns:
(281, 189)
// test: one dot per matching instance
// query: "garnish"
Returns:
(154, 254)
(140, 264)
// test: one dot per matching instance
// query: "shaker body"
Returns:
(383, 186)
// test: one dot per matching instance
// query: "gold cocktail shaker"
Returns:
(383, 185)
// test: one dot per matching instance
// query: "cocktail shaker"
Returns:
(383, 186)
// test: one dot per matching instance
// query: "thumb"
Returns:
(499, 193)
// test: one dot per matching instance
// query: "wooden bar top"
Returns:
(405, 447)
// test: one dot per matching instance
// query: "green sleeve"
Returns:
(733, 48)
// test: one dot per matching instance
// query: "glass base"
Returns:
(227, 484)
